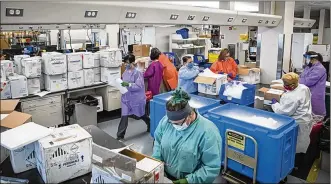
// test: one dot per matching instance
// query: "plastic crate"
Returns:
(197, 58)
(183, 32)
(276, 146)
(158, 107)
(247, 97)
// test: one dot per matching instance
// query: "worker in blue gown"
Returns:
(187, 73)
(187, 143)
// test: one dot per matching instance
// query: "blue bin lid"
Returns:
(243, 113)
(195, 101)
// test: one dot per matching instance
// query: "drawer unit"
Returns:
(111, 98)
(41, 102)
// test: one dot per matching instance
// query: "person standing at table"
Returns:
(154, 73)
(187, 73)
(170, 73)
(225, 65)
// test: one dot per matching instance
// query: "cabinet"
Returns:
(111, 98)
(47, 111)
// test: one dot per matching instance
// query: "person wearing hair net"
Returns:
(154, 73)
(314, 77)
(187, 143)
(132, 102)
(187, 73)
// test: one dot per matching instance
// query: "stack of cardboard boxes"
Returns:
(110, 62)
(7, 69)
(75, 70)
(31, 69)
(96, 67)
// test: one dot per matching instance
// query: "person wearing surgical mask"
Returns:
(225, 65)
(187, 73)
(132, 102)
(314, 77)
(188, 143)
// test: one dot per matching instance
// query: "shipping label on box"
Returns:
(88, 59)
(75, 79)
(88, 77)
(23, 159)
(5, 89)
(33, 86)
(96, 57)
(18, 86)
(7, 67)
(31, 67)
(56, 82)
(18, 63)
(54, 63)
(65, 154)
(75, 62)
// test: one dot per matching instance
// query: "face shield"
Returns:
(307, 59)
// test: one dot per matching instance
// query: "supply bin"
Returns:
(158, 107)
(198, 58)
(247, 97)
(275, 141)
(183, 32)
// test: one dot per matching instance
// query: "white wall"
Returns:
(162, 37)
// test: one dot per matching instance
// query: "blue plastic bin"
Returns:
(158, 107)
(247, 97)
(198, 58)
(183, 32)
(171, 55)
(276, 146)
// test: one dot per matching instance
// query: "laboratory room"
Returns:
(179, 92)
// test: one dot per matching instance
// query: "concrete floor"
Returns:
(142, 142)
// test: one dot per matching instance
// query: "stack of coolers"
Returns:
(110, 62)
(158, 107)
(7, 69)
(31, 69)
(54, 68)
(75, 70)
(96, 67)
(88, 65)
(257, 144)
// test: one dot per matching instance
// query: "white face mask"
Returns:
(180, 128)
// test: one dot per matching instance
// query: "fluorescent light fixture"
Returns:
(191, 17)
(205, 18)
(130, 15)
(230, 19)
(14, 12)
(91, 14)
(260, 21)
(273, 22)
(174, 17)
(244, 20)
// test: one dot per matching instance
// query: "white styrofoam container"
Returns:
(54, 63)
(76, 79)
(56, 82)
(65, 154)
(4, 153)
(31, 67)
(75, 61)
(7, 67)
(110, 74)
(96, 57)
(111, 58)
(18, 64)
(23, 159)
(214, 88)
(5, 89)
(88, 59)
(18, 86)
(88, 77)
(97, 74)
(33, 86)
(100, 103)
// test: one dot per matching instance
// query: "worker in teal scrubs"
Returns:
(187, 143)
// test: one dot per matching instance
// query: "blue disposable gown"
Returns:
(134, 101)
(193, 153)
(186, 78)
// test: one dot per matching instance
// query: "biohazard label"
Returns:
(236, 140)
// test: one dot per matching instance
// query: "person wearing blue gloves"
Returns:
(187, 73)
(187, 143)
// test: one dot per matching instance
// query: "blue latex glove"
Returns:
(220, 72)
(230, 75)
(273, 101)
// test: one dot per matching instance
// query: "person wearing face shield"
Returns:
(188, 143)
(187, 73)
(225, 65)
(154, 73)
(314, 77)
(132, 102)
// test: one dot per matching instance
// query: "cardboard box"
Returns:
(269, 94)
(277, 86)
(111, 58)
(141, 50)
(100, 103)
(108, 167)
(76, 79)
(56, 82)
(110, 74)
(7, 67)
(88, 59)
(97, 74)
(249, 75)
(251, 64)
(75, 62)
(54, 63)
(65, 154)
(88, 77)
(18, 86)
(5, 89)
(31, 67)
(18, 63)
(210, 85)
(33, 86)
(96, 57)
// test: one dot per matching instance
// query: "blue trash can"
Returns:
(247, 97)
(158, 107)
(276, 145)
(183, 32)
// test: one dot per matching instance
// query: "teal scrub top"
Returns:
(193, 153)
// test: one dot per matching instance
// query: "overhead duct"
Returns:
(303, 23)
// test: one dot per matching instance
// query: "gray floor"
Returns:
(142, 142)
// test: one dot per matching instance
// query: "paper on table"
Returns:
(118, 84)
(327, 83)
(147, 164)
